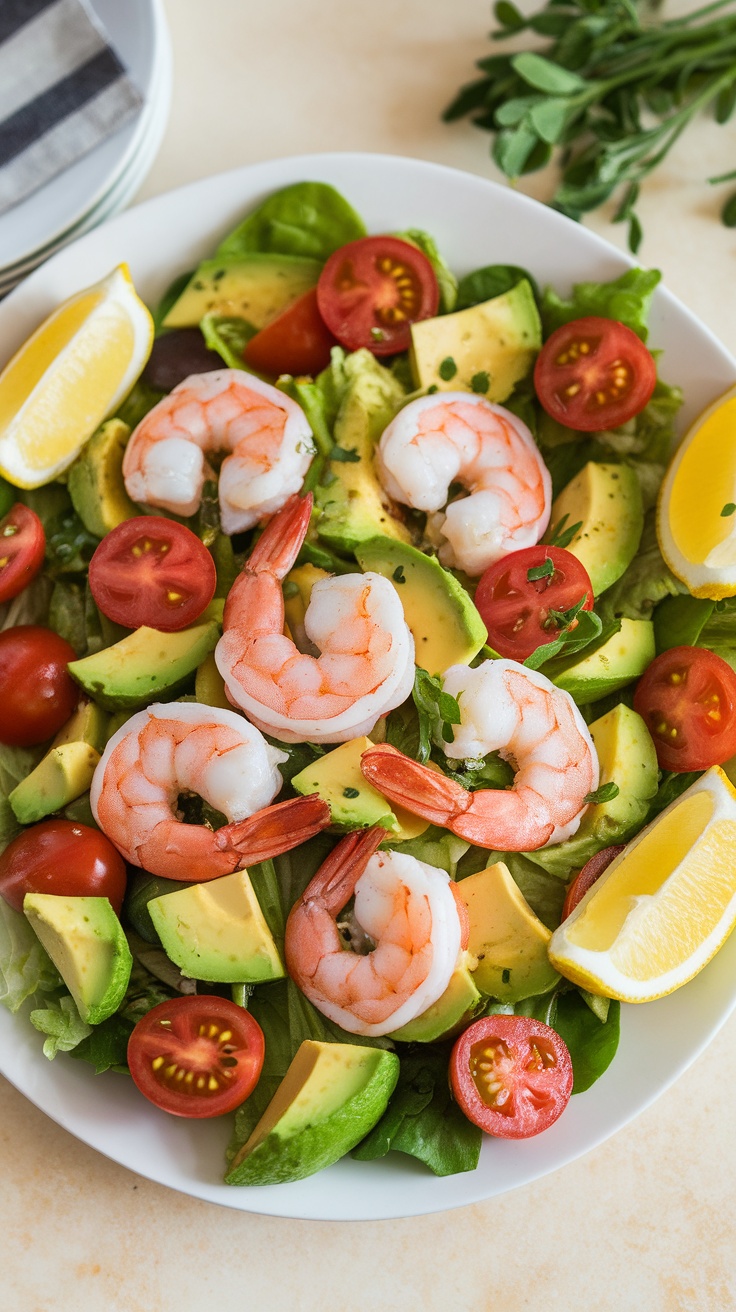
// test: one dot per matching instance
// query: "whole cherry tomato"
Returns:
(64, 858)
(37, 692)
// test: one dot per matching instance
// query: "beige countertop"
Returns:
(647, 1220)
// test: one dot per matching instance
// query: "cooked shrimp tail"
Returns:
(336, 878)
(274, 829)
(281, 541)
(536, 727)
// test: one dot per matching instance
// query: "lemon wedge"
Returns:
(663, 907)
(70, 374)
(696, 517)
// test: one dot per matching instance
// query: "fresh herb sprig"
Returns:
(437, 712)
(614, 88)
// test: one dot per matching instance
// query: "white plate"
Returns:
(135, 30)
(475, 223)
(126, 186)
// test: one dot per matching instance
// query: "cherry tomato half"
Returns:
(371, 291)
(516, 608)
(151, 570)
(587, 877)
(22, 547)
(593, 374)
(511, 1075)
(687, 699)
(37, 693)
(64, 858)
(196, 1055)
(298, 342)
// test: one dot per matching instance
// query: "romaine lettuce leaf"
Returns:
(307, 218)
(25, 967)
(644, 584)
(627, 299)
(446, 280)
(62, 1024)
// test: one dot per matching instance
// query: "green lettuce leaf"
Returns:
(25, 967)
(446, 280)
(627, 299)
(229, 336)
(422, 1119)
(62, 1024)
(307, 218)
(590, 1032)
(67, 613)
(15, 764)
(644, 584)
(106, 1047)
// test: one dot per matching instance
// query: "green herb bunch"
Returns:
(614, 88)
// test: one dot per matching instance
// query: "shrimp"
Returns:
(537, 727)
(169, 749)
(459, 437)
(356, 622)
(266, 434)
(409, 914)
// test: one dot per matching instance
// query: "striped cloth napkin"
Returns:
(63, 90)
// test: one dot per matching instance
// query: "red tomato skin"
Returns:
(22, 548)
(588, 876)
(505, 597)
(530, 1058)
(134, 588)
(367, 305)
(180, 1041)
(612, 349)
(37, 693)
(676, 693)
(298, 342)
(64, 858)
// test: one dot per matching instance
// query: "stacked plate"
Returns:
(102, 182)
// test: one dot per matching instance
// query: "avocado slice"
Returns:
(509, 941)
(209, 685)
(606, 501)
(297, 589)
(331, 1096)
(627, 758)
(449, 1013)
(216, 931)
(60, 777)
(86, 943)
(446, 626)
(88, 724)
(145, 666)
(494, 341)
(256, 287)
(95, 480)
(352, 505)
(353, 802)
(594, 674)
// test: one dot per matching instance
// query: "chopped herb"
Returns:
(587, 628)
(378, 334)
(351, 792)
(431, 390)
(348, 457)
(437, 712)
(447, 369)
(561, 536)
(565, 619)
(543, 571)
(728, 509)
(505, 976)
(605, 793)
(480, 382)
(398, 575)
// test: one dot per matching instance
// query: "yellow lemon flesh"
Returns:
(70, 374)
(663, 907)
(696, 518)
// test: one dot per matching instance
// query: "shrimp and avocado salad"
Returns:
(367, 692)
